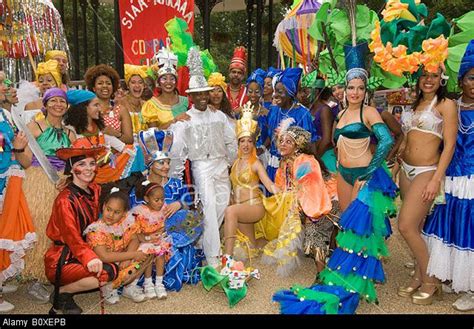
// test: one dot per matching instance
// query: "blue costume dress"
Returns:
(184, 228)
(449, 230)
(302, 118)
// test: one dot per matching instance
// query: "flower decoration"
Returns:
(402, 42)
(394, 9)
(435, 51)
(393, 60)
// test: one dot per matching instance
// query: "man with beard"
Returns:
(237, 69)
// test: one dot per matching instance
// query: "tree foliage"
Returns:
(228, 29)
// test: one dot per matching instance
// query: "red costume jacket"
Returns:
(73, 210)
(240, 100)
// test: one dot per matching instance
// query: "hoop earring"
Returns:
(443, 82)
(366, 99)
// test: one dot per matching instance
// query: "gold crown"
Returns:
(246, 126)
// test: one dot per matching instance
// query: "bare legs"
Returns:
(346, 193)
(241, 217)
(160, 267)
(410, 223)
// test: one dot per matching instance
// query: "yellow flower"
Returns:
(394, 9)
(217, 79)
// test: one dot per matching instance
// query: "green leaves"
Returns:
(334, 79)
(465, 22)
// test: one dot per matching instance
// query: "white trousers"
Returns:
(211, 179)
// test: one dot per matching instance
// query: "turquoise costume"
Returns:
(359, 130)
(355, 265)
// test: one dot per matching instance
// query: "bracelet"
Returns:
(14, 150)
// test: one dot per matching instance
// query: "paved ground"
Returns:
(194, 299)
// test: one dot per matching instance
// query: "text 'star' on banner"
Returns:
(143, 26)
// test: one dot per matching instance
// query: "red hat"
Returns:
(239, 60)
(75, 154)
(70, 152)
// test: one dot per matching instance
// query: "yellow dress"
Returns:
(304, 193)
(138, 123)
(155, 111)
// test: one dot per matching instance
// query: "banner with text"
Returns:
(143, 26)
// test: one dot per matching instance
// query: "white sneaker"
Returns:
(6, 306)
(111, 295)
(134, 292)
(160, 291)
(150, 292)
(464, 303)
(9, 288)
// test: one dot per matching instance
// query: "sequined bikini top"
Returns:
(244, 179)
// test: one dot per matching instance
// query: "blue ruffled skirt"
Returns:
(355, 265)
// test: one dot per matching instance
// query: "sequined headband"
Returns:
(301, 136)
(357, 73)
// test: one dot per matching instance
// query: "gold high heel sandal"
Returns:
(408, 291)
(424, 298)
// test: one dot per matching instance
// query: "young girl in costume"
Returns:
(151, 222)
(183, 225)
(114, 239)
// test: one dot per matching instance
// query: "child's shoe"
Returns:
(160, 291)
(149, 290)
(134, 292)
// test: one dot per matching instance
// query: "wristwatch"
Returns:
(14, 150)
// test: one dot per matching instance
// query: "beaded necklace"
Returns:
(464, 129)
